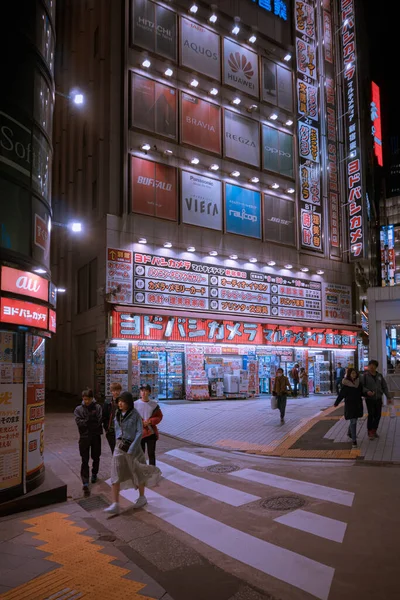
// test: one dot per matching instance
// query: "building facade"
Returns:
(27, 298)
(220, 168)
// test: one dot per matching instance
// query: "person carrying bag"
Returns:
(280, 392)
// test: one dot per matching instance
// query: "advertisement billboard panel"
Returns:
(277, 85)
(241, 68)
(311, 230)
(201, 124)
(242, 211)
(337, 304)
(201, 203)
(279, 223)
(376, 122)
(306, 59)
(308, 142)
(154, 27)
(388, 255)
(11, 407)
(307, 100)
(153, 106)
(19, 312)
(200, 49)
(119, 275)
(277, 151)
(242, 138)
(24, 283)
(153, 189)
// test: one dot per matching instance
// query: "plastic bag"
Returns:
(274, 402)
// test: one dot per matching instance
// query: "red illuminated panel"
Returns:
(154, 189)
(24, 283)
(377, 125)
(201, 124)
(52, 321)
(19, 312)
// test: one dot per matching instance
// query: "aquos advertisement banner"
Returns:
(155, 28)
(201, 124)
(242, 211)
(311, 211)
(201, 201)
(200, 49)
(241, 68)
(181, 284)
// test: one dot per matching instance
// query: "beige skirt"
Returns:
(134, 467)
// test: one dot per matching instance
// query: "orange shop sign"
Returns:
(24, 283)
(19, 312)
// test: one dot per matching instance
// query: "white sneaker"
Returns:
(140, 502)
(113, 509)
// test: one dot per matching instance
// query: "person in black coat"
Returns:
(88, 418)
(351, 392)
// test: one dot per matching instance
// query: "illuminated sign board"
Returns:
(277, 7)
(19, 312)
(24, 283)
(388, 255)
(376, 120)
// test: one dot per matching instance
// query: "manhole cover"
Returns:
(106, 538)
(282, 503)
(93, 503)
(223, 468)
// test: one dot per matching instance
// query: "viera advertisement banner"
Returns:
(279, 225)
(154, 28)
(200, 49)
(277, 151)
(242, 211)
(153, 106)
(241, 68)
(153, 189)
(277, 86)
(307, 98)
(242, 138)
(201, 201)
(201, 124)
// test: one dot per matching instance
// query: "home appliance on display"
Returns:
(231, 384)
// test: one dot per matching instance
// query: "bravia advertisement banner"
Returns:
(242, 138)
(241, 68)
(153, 106)
(201, 201)
(242, 211)
(201, 124)
(154, 28)
(277, 151)
(200, 49)
(279, 225)
(153, 189)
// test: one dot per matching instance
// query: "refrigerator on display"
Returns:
(231, 384)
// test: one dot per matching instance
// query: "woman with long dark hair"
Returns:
(351, 393)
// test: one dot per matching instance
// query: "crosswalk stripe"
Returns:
(313, 490)
(324, 527)
(214, 490)
(292, 568)
(192, 458)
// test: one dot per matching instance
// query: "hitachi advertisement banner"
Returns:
(154, 27)
(153, 189)
(200, 49)
(201, 203)
(241, 68)
(201, 124)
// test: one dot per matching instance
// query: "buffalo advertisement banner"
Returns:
(242, 139)
(119, 275)
(200, 49)
(337, 304)
(242, 211)
(201, 201)
(279, 222)
(154, 27)
(153, 106)
(308, 128)
(35, 380)
(277, 151)
(11, 434)
(201, 124)
(241, 68)
(180, 284)
(153, 189)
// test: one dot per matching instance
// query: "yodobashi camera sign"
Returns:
(241, 68)
(200, 49)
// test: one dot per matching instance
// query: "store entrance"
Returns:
(164, 372)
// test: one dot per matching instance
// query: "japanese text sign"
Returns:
(24, 283)
(19, 312)
(377, 125)
(119, 275)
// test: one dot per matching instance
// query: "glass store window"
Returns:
(41, 167)
(43, 104)
(45, 39)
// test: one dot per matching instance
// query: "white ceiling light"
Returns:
(146, 63)
(168, 152)
(214, 167)
(61, 290)
(289, 122)
(320, 272)
(271, 263)
(252, 38)
(167, 245)
(304, 269)
(235, 174)
(236, 101)
(233, 256)
(191, 249)
(39, 271)
(142, 240)
(168, 72)
(235, 29)
(145, 147)
(275, 186)
(287, 57)
(273, 117)
(213, 253)
(290, 190)
(194, 83)
(252, 107)
(253, 260)
(289, 266)
(194, 161)
(214, 92)
(213, 18)
(254, 180)
(193, 9)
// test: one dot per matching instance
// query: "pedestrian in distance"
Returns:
(374, 387)
(88, 417)
(304, 382)
(339, 376)
(151, 415)
(280, 390)
(351, 392)
(294, 373)
(109, 409)
(128, 461)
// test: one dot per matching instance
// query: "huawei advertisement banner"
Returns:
(201, 201)
(279, 223)
(241, 68)
(200, 49)
(154, 28)
(201, 124)
(277, 85)
(153, 106)
(337, 303)
(277, 151)
(242, 138)
(242, 211)
(153, 189)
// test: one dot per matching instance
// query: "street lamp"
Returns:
(74, 226)
(75, 96)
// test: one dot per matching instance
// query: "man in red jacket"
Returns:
(151, 416)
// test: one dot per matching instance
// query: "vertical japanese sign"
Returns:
(11, 423)
(376, 122)
(354, 176)
(308, 126)
(35, 357)
(330, 133)
(388, 256)
(119, 275)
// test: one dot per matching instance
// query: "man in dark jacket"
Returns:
(109, 408)
(374, 386)
(340, 373)
(88, 417)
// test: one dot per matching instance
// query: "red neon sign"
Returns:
(19, 312)
(52, 321)
(377, 125)
(24, 283)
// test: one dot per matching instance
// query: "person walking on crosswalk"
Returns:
(280, 390)
(128, 461)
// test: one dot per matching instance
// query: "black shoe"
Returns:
(86, 489)
(94, 478)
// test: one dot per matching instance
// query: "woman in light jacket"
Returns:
(351, 392)
(280, 390)
(128, 461)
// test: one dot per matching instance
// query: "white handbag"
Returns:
(274, 402)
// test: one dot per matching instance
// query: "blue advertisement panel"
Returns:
(242, 211)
